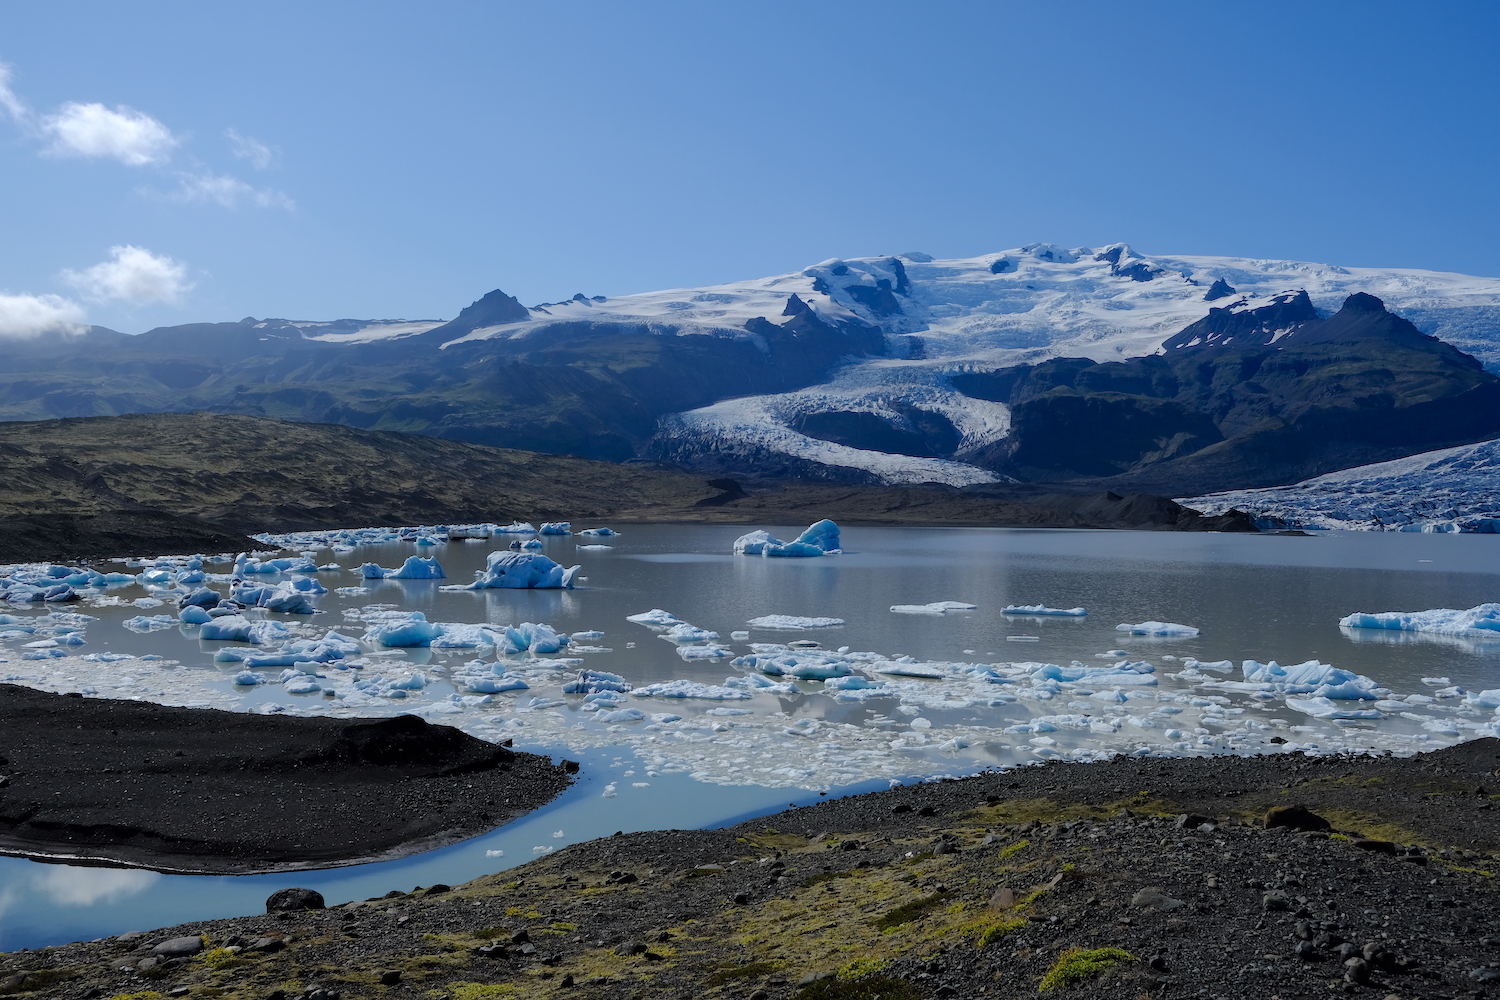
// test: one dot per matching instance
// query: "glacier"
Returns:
(1449, 490)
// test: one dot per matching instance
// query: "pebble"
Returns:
(1155, 899)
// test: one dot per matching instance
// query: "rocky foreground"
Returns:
(1270, 877)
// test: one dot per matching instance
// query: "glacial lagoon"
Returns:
(903, 697)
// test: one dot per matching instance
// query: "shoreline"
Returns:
(964, 887)
(199, 791)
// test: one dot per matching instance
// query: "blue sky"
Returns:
(171, 162)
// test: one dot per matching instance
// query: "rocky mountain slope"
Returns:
(851, 370)
(200, 482)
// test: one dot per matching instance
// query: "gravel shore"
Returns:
(1258, 877)
(198, 790)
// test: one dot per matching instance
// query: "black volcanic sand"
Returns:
(163, 483)
(187, 789)
(964, 888)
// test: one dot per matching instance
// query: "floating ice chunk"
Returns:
(1324, 708)
(898, 669)
(586, 636)
(740, 636)
(621, 715)
(517, 528)
(589, 681)
(415, 630)
(1319, 679)
(819, 539)
(532, 636)
(1041, 609)
(1484, 699)
(761, 683)
(656, 616)
(935, 608)
(689, 689)
(238, 628)
(1436, 681)
(599, 532)
(711, 651)
(1158, 628)
(683, 632)
(754, 543)
(1221, 666)
(523, 571)
(248, 678)
(555, 528)
(594, 548)
(417, 568)
(921, 723)
(791, 622)
(1479, 622)
(351, 591)
(301, 684)
(150, 623)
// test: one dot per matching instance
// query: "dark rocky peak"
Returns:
(493, 309)
(1365, 320)
(1218, 290)
(1246, 324)
(1126, 263)
(903, 284)
(1363, 302)
(1051, 253)
(1112, 255)
(1003, 265)
(795, 306)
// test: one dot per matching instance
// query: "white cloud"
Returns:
(132, 137)
(135, 274)
(9, 102)
(87, 886)
(258, 153)
(231, 192)
(24, 317)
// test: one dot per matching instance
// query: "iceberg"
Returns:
(689, 689)
(1479, 622)
(415, 568)
(819, 539)
(599, 532)
(517, 528)
(555, 528)
(1041, 609)
(523, 571)
(657, 617)
(592, 681)
(534, 637)
(1158, 628)
(935, 608)
(414, 630)
(238, 628)
(793, 621)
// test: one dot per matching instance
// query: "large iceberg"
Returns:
(1480, 622)
(819, 539)
(523, 571)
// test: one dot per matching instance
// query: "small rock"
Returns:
(1303, 930)
(1306, 951)
(1357, 971)
(147, 964)
(1484, 975)
(741, 899)
(13, 983)
(180, 991)
(945, 847)
(1295, 818)
(286, 900)
(946, 991)
(178, 946)
(438, 889)
(813, 977)
(927, 811)
(130, 936)
(631, 948)
(1190, 821)
(1155, 899)
(520, 937)
(390, 977)
(1274, 901)
(1003, 899)
(1348, 950)
(1159, 964)
(1376, 846)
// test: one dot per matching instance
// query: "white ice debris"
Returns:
(415, 568)
(1157, 628)
(790, 622)
(935, 608)
(1479, 622)
(819, 539)
(1041, 609)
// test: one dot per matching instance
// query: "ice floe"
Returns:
(523, 571)
(935, 608)
(1157, 628)
(1479, 622)
(1041, 609)
(792, 622)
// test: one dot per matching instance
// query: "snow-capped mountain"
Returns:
(859, 369)
(1455, 489)
(944, 316)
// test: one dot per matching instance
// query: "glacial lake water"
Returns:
(930, 695)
